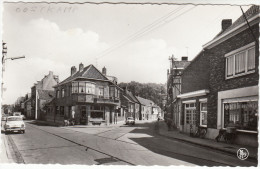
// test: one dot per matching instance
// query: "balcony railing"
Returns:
(95, 99)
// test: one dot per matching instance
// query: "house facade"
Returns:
(233, 78)
(147, 109)
(87, 92)
(47, 84)
(192, 102)
(174, 82)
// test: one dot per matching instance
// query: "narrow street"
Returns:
(113, 145)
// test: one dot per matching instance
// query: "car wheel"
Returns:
(6, 132)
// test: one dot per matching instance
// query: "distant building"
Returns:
(174, 88)
(47, 84)
(148, 109)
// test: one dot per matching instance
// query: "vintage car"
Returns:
(130, 120)
(14, 124)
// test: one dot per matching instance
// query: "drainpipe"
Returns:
(36, 105)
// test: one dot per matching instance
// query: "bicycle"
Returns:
(227, 135)
(201, 132)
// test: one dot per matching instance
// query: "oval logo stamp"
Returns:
(242, 153)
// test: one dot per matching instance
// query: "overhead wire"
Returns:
(138, 35)
(139, 32)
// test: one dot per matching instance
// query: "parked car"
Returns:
(130, 120)
(17, 114)
(14, 124)
(3, 117)
(23, 117)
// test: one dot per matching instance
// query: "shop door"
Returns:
(190, 117)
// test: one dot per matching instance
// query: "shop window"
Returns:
(57, 109)
(242, 115)
(62, 110)
(83, 112)
(96, 114)
(203, 114)
(240, 61)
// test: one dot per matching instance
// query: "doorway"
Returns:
(190, 117)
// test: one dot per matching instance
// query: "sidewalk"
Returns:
(208, 143)
(5, 155)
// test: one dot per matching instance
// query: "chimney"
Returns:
(226, 23)
(81, 67)
(104, 71)
(51, 73)
(73, 70)
(184, 58)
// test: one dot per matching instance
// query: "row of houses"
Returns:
(219, 87)
(91, 95)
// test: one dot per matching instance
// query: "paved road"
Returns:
(125, 145)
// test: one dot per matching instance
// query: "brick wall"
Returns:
(217, 81)
(196, 75)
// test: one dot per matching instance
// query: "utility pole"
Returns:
(4, 54)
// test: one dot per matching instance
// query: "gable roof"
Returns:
(145, 102)
(89, 72)
(251, 14)
(132, 97)
(46, 94)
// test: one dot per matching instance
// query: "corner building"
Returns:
(93, 97)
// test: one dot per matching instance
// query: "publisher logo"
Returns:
(242, 153)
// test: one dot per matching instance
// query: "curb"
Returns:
(255, 159)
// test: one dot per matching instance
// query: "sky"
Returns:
(133, 42)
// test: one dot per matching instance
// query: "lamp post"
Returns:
(4, 53)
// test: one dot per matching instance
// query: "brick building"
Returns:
(233, 78)
(87, 92)
(192, 102)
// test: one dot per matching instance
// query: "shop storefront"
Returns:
(239, 108)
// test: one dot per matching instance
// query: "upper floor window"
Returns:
(57, 94)
(82, 87)
(62, 92)
(101, 91)
(240, 61)
(75, 87)
(90, 88)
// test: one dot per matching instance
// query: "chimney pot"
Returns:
(81, 67)
(104, 71)
(226, 23)
(184, 58)
(73, 70)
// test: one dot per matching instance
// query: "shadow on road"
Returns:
(160, 145)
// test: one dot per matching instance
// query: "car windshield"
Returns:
(14, 119)
(130, 118)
